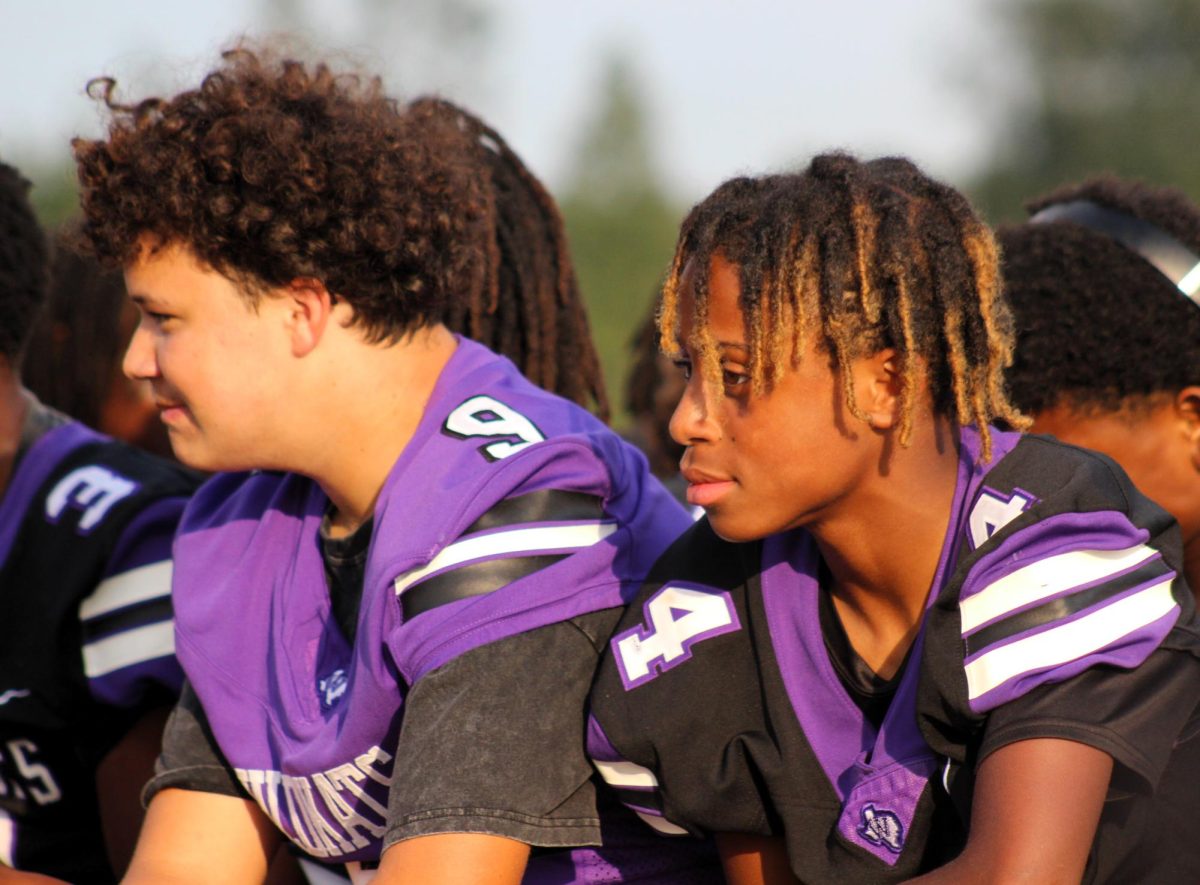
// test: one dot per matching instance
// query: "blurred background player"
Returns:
(652, 389)
(73, 360)
(86, 666)
(524, 301)
(1104, 282)
(409, 553)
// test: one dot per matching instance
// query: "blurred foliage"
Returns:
(1109, 86)
(621, 223)
(55, 194)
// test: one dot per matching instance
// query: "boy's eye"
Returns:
(733, 378)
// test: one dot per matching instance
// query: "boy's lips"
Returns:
(169, 409)
(705, 489)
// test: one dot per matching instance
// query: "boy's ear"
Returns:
(879, 379)
(309, 310)
(1187, 408)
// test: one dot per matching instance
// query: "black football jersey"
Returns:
(1056, 611)
(86, 635)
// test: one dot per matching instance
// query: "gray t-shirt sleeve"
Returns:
(493, 741)
(190, 758)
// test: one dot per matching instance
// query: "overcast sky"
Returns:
(731, 85)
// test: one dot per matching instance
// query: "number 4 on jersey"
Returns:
(994, 510)
(677, 617)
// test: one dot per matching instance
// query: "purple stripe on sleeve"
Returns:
(1097, 530)
(599, 747)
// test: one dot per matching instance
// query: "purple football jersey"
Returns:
(310, 722)
(86, 637)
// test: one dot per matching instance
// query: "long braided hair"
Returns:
(525, 303)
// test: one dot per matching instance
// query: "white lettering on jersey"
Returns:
(484, 416)
(677, 617)
(329, 813)
(92, 489)
(33, 778)
(994, 511)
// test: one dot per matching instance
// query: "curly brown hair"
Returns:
(856, 256)
(274, 169)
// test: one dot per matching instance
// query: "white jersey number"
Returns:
(993, 512)
(33, 778)
(93, 490)
(676, 619)
(484, 416)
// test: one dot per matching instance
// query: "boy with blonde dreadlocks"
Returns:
(906, 639)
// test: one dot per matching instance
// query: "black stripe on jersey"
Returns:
(1063, 607)
(477, 579)
(152, 611)
(548, 505)
(649, 799)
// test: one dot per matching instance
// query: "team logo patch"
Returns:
(881, 827)
(332, 687)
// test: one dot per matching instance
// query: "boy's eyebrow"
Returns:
(739, 345)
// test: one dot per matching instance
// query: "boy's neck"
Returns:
(373, 410)
(883, 552)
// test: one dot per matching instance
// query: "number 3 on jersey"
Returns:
(484, 416)
(677, 617)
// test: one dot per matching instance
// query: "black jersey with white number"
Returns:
(86, 637)
(1056, 611)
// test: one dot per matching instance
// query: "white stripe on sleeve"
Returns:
(1045, 578)
(661, 824)
(630, 774)
(517, 542)
(625, 774)
(1069, 641)
(130, 647)
(136, 585)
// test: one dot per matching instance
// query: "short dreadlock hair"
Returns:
(527, 305)
(1099, 328)
(273, 170)
(22, 264)
(855, 257)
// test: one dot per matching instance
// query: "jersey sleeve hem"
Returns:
(536, 831)
(1106, 740)
(198, 778)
